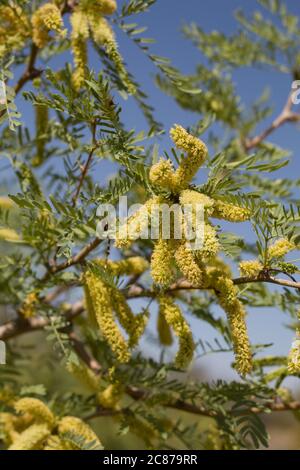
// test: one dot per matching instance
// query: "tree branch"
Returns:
(286, 115)
(22, 325)
(31, 72)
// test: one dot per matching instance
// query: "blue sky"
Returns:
(164, 22)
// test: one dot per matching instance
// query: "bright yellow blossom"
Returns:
(280, 248)
(174, 317)
(250, 268)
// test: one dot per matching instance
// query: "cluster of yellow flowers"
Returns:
(218, 277)
(172, 252)
(294, 355)
(199, 266)
(293, 364)
(33, 426)
(87, 21)
(250, 268)
(175, 319)
(280, 248)
(28, 308)
(14, 28)
(46, 18)
(106, 304)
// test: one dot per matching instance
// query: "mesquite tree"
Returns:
(94, 297)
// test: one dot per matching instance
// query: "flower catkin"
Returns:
(187, 264)
(162, 262)
(79, 36)
(293, 363)
(134, 325)
(227, 295)
(230, 212)
(84, 374)
(106, 7)
(29, 306)
(196, 153)
(40, 412)
(280, 248)
(174, 317)
(76, 427)
(101, 304)
(32, 438)
(110, 397)
(136, 225)
(250, 268)
(162, 174)
(14, 29)
(188, 196)
(133, 266)
(46, 18)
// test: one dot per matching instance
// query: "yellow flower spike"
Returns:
(84, 374)
(110, 397)
(9, 235)
(280, 248)
(102, 31)
(78, 428)
(56, 443)
(89, 306)
(7, 428)
(164, 330)
(189, 196)
(41, 118)
(230, 212)
(134, 266)
(250, 268)
(14, 30)
(29, 306)
(134, 325)
(103, 35)
(106, 7)
(162, 174)
(162, 262)
(79, 36)
(100, 296)
(196, 153)
(40, 412)
(211, 244)
(32, 438)
(46, 18)
(186, 263)
(175, 319)
(227, 295)
(6, 203)
(294, 356)
(136, 224)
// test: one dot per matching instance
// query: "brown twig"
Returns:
(79, 258)
(286, 115)
(21, 325)
(31, 72)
